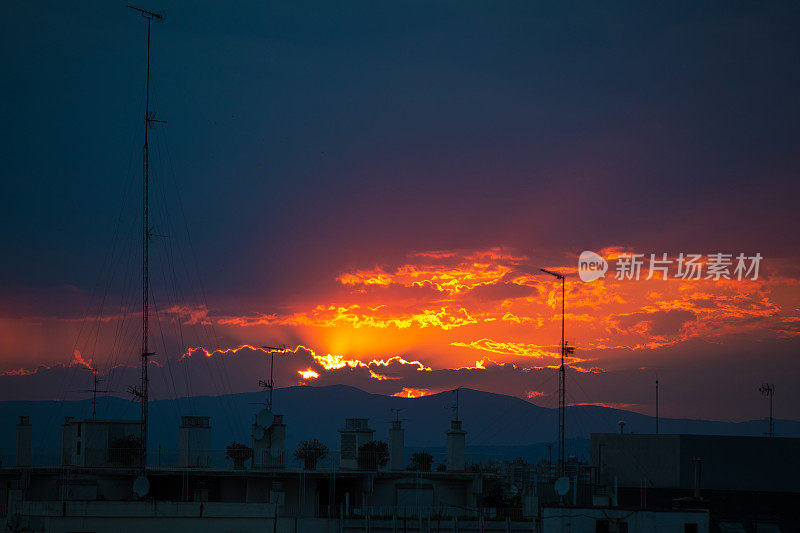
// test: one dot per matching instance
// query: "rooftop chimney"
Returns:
(356, 433)
(456, 443)
(24, 432)
(194, 441)
(396, 446)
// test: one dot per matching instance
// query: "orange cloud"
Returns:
(444, 272)
(408, 392)
(438, 303)
(433, 310)
(77, 359)
(308, 373)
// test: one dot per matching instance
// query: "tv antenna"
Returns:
(144, 393)
(94, 390)
(455, 406)
(270, 385)
(562, 381)
(396, 412)
(768, 389)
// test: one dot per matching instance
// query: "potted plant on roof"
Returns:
(372, 455)
(421, 461)
(309, 452)
(238, 453)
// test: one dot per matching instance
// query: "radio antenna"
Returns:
(144, 391)
(562, 373)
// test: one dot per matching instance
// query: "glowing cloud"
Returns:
(308, 373)
(408, 392)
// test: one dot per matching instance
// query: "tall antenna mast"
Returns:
(144, 392)
(769, 390)
(562, 382)
(270, 385)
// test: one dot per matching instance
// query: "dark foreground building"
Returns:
(748, 484)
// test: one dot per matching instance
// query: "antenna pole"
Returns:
(562, 373)
(562, 398)
(94, 395)
(144, 393)
(271, 381)
(270, 385)
(656, 404)
(455, 406)
(769, 390)
(145, 258)
(771, 419)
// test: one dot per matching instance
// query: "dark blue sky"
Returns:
(346, 133)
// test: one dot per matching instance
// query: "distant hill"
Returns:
(498, 425)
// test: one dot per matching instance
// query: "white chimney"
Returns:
(24, 434)
(194, 441)
(356, 433)
(456, 444)
(396, 446)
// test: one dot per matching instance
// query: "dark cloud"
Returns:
(659, 323)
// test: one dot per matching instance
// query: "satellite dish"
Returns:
(264, 418)
(258, 433)
(562, 486)
(275, 451)
(141, 487)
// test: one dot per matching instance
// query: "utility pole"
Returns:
(144, 392)
(769, 390)
(562, 383)
(270, 385)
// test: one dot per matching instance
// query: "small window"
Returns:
(622, 527)
(79, 429)
(78, 448)
(602, 526)
(690, 527)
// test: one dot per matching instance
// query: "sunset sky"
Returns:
(377, 186)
